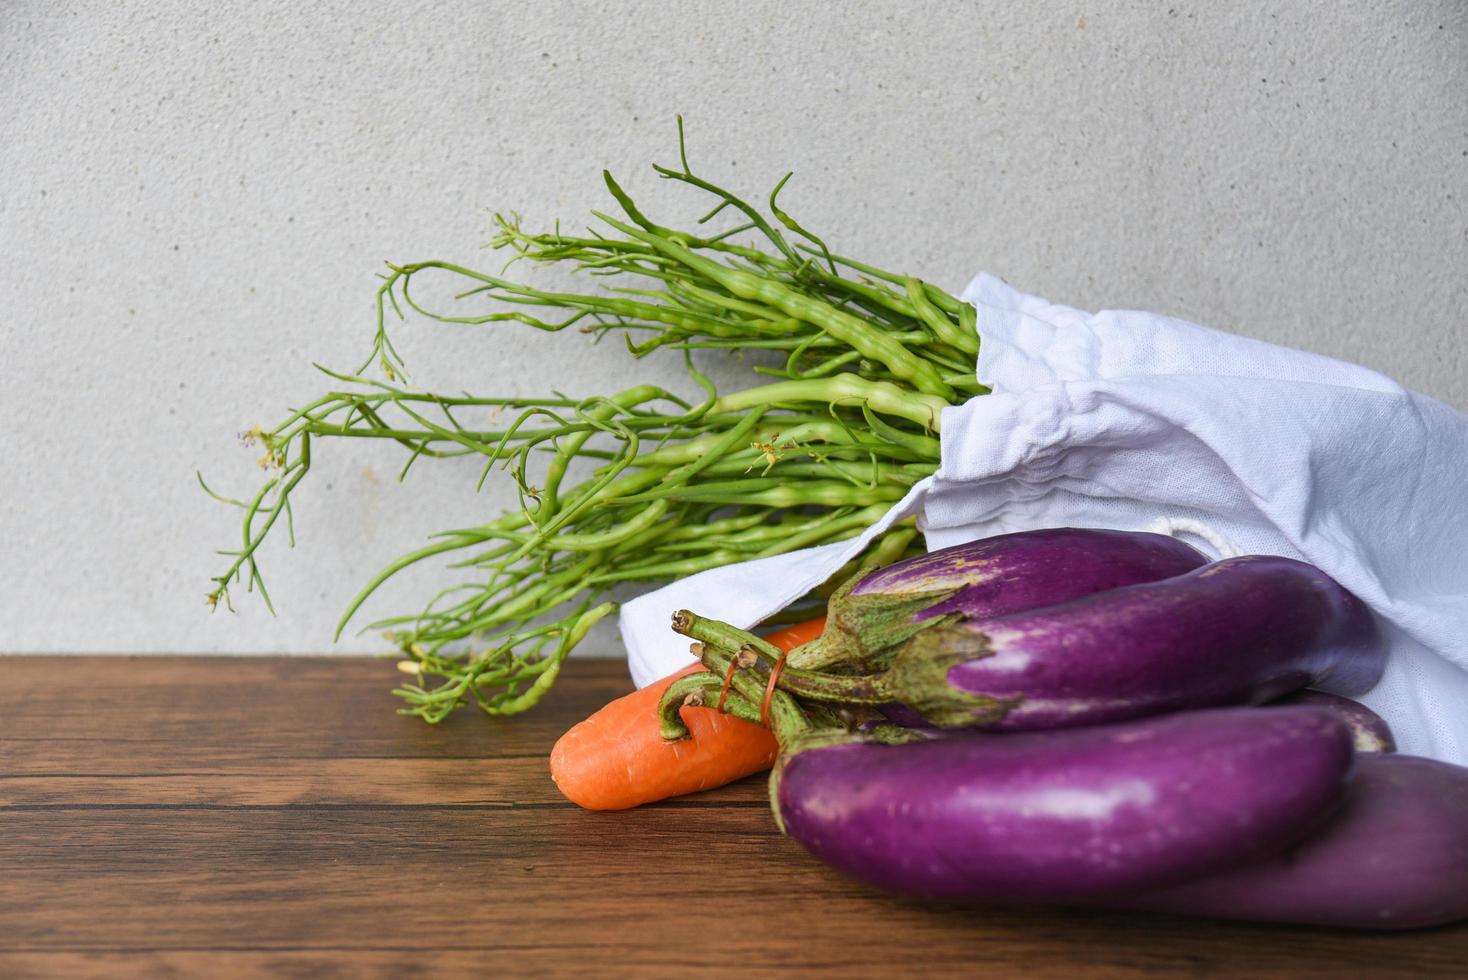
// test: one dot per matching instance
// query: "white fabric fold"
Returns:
(1125, 419)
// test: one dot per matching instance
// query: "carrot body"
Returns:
(617, 759)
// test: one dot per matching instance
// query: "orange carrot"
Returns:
(617, 759)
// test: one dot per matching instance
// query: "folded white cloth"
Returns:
(1133, 420)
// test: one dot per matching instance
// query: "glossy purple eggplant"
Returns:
(990, 577)
(1010, 572)
(1240, 631)
(1394, 856)
(1369, 730)
(1065, 816)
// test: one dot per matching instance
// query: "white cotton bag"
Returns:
(1131, 420)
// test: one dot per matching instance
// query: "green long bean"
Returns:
(640, 486)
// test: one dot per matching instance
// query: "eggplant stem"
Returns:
(788, 720)
(867, 689)
(694, 691)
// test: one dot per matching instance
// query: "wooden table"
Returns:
(215, 816)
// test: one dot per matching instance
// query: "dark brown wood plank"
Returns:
(266, 816)
(252, 708)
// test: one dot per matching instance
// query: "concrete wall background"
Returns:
(194, 199)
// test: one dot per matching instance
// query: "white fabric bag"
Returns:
(1132, 420)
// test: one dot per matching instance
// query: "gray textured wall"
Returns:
(194, 199)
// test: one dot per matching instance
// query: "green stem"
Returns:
(713, 634)
(568, 450)
(787, 720)
(699, 690)
(573, 635)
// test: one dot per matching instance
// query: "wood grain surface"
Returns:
(273, 816)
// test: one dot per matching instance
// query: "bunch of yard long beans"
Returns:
(676, 486)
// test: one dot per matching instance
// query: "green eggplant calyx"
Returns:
(863, 631)
(918, 678)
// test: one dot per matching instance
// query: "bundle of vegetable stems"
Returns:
(675, 487)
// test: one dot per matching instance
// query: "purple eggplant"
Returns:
(1240, 631)
(985, 578)
(1010, 572)
(1065, 816)
(1369, 729)
(1394, 856)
